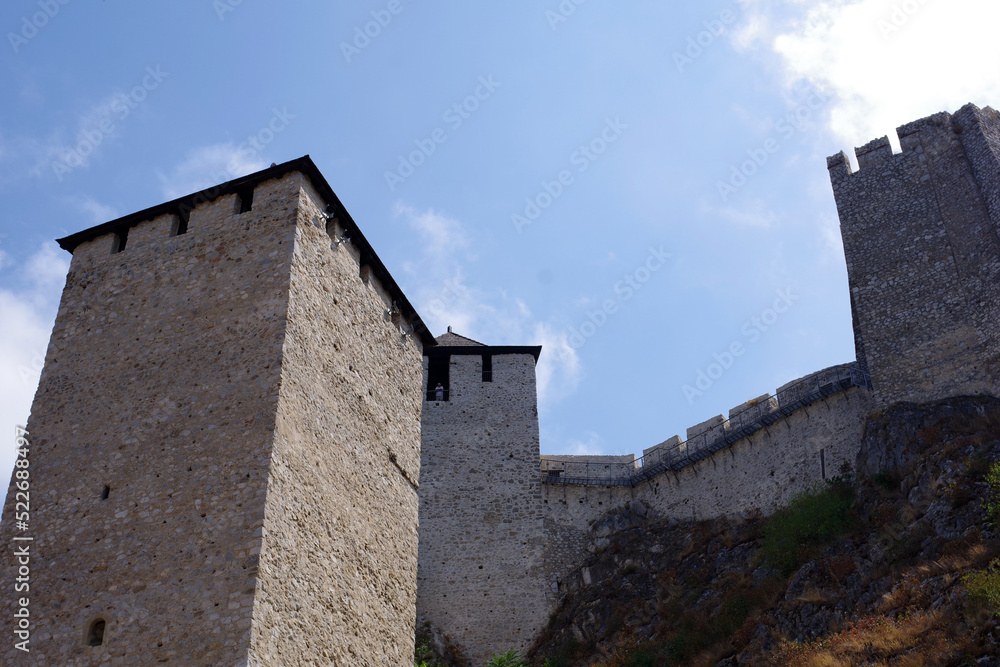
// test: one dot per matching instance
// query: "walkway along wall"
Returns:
(757, 472)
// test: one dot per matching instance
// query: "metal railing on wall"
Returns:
(682, 454)
(437, 395)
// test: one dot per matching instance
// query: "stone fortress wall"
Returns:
(756, 472)
(224, 443)
(920, 233)
(230, 446)
(481, 576)
(500, 537)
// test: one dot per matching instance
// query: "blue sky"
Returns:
(632, 185)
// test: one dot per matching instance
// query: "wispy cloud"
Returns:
(445, 298)
(589, 445)
(208, 166)
(28, 313)
(874, 56)
(97, 211)
(756, 214)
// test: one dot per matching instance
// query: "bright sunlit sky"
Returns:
(631, 185)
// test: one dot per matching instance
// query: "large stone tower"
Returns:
(920, 233)
(482, 577)
(224, 446)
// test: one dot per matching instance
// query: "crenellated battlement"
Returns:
(706, 438)
(921, 232)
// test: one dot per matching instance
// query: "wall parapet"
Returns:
(706, 438)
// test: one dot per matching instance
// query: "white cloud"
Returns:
(46, 270)
(558, 371)
(98, 212)
(28, 314)
(830, 240)
(208, 166)
(444, 298)
(73, 148)
(442, 235)
(886, 62)
(590, 445)
(755, 214)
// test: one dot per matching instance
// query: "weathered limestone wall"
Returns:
(254, 412)
(757, 472)
(161, 381)
(482, 570)
(338, 563)
(765, 469)
(920, 234)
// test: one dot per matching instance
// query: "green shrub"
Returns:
(811, 518)
(509, 659)
(983, 587)
(992, 501)
(423, 655)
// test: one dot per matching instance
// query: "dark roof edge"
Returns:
(303, 165)
(533, 350)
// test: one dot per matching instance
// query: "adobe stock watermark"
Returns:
(29, 374)
(121, 107)
(33, 24)
(581, 158)
(713, 29)
(784, 129)
(562, 12)
(899, 17)
(448, 295)
(752, 330)
(21, 489)
(223, 7)
(455, 116)
(250, 149)
(363, 35)
(626, 288)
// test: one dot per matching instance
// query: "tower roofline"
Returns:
(480, 350)
(303, 165)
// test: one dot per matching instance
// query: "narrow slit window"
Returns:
(95, 636)
(180, 223)
(244, 201)
(121, 239)
(487, 368)
(437, 378)
(105, 492)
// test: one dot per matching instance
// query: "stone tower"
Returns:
(481, 571)
(224, 446)
(920, 233)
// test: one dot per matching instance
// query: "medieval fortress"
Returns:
(237, 454)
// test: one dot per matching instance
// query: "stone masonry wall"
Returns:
(482, 568)
(161, 381)
(251, 412)
(338, 563)
(923, 256)
(757, 472)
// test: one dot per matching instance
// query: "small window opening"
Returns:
(437, 378)
(95, 637)
(244, 200)
(121, 239)
(487, 368)
(180, 222)
(822, 462)
(105, 492)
